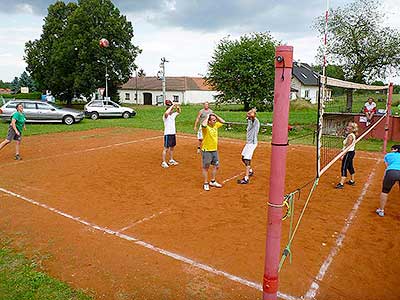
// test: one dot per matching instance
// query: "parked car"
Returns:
(39, 111)
(107, 108)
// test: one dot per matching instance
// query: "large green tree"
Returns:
(359, 43)
(68, 60)
(243, 70)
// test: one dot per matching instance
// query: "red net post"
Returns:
(283, 75)
(388, 113)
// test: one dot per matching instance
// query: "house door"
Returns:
(148, 98)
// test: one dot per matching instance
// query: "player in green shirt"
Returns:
(15, 129)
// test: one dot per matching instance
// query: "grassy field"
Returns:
(302, 117)
(21, 279)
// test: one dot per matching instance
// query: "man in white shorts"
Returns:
(201, 116)
(253, 127)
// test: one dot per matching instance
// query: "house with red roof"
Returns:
(148, 90)
(5, 91)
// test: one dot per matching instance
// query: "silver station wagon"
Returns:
(42, 112)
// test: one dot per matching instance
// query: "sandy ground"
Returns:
(112, 221)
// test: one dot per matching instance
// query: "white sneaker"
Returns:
(164, 164)
(206, 187)
(380, 212)
(215, 184)
(173, 162)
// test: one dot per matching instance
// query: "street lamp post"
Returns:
(136, 94)
(161, 76)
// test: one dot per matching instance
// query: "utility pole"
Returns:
(136, 94)
(106, 79)
(161, 76)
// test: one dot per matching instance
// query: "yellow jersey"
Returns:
(210, 137)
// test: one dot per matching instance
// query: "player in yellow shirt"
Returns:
(209, 149)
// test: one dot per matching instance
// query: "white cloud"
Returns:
(184, 31)
(24, 8)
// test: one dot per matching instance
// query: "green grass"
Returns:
(302, 117)
(21, 279)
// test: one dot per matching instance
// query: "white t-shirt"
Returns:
(169, 123)
(353, 143)
(370, 107)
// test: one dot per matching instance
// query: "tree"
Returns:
(15, 85)
(243, 70)
(359, 43)
(5, 85)
(26, 81)
(68, 60)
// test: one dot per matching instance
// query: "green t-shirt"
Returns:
(19, 120)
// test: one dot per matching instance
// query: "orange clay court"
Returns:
(113, 222)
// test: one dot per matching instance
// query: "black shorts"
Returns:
(391, 176)
(169, 140)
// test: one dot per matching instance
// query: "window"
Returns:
(110, 104)
(307, 94)
(127, 96)
(43, 106)
(176, 98)
(28, 105)
(96, 104)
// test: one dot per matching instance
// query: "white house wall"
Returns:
(195, 97)
(169, 95)
(188, 97)
(312, 90)
(312, 93)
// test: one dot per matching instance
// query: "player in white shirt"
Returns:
(173, 110)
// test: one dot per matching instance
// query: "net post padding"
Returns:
(324, 169)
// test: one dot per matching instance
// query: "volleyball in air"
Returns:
(104, 43)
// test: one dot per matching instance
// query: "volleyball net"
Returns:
(341, 102)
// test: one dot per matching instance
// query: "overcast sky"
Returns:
(184, 31)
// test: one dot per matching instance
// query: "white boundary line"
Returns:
(312, 292)
(143, 220)
(149, 246)
(87, 150)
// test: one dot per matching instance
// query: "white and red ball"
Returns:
(104, 43)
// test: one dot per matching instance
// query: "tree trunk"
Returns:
(349, 100)
(246, 105)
